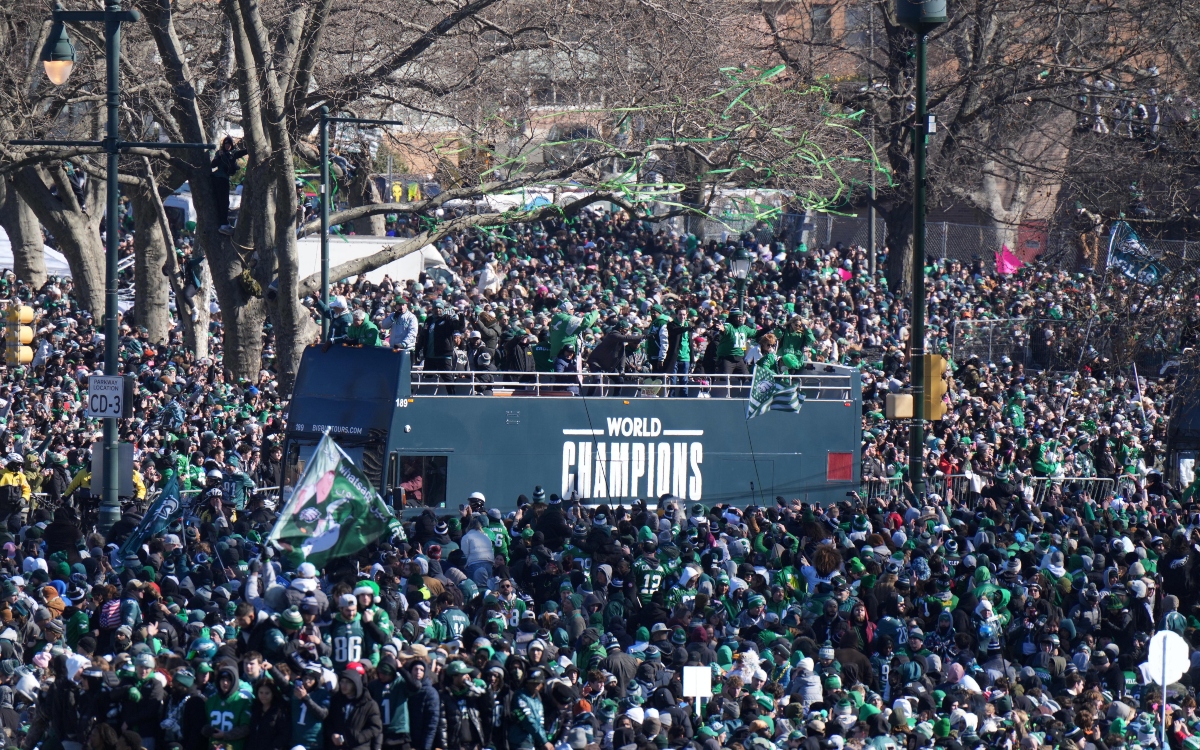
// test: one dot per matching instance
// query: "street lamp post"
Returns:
(921, 17)
(739, 264)
(326, 197)
(58, 60)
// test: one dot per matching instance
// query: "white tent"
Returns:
(56, 263)
(343, 249)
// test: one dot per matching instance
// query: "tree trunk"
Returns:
(900, 248)
(363, 191)
(193, 314)
(77, 231)
(150, 287)
(25, 234)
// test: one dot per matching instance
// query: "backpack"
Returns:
(110, 614)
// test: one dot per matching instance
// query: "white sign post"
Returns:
(1168, 659)
(106, 396)
(697, 683)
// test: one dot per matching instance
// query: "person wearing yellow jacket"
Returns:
(13, 475)
(83, 480)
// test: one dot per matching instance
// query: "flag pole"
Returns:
(1164, 699)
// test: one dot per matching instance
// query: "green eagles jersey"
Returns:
(648, 576)
(448, 626)
(565, 328)
(734, 341)
(306, 727)
(541, 357)
(393, 705)
(512, 609)
(455, 622)
(349, 642)
(77, 627)
(236, 486)
(679, 595)
(225, 714)
(498, 534)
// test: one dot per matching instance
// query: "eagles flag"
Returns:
(165, 510)
(1127, 254)
(767, 394)
(334, 511)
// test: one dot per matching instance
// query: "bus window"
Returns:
(423, 481)
(293, 468)
(299, 454)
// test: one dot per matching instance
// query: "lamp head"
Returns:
(921, 15)
(739, 264)
(58, 55)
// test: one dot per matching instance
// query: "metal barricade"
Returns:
(957, 486)
(270, 495)
(878, 488)
(1125, 486)
(1098, 489)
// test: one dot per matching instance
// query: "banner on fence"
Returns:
(1127, 254)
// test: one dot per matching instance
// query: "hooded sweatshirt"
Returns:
(228, 714)
(356, 717)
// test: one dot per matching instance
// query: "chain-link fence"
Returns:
(991, 340)
(943, 240)
(1058, 345)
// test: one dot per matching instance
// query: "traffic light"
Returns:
(18, 335)
(935, 387)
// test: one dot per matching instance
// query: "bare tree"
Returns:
(25, 234)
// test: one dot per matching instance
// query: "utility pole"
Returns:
(921, 17)
(872, 240)
(58, 59)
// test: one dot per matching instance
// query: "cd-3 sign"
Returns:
(109, 396)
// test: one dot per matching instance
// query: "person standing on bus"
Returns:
(731, 349)
(678, 361)
(363, 331)
(438, 342)
(404, 326)
(565, 327)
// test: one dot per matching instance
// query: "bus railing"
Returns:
(815, 386)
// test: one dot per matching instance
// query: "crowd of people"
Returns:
(989, 616)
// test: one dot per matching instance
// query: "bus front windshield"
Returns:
(296, 461)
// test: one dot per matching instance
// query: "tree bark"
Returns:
(25, 235)
(899, 220)
(150, 287)
(193, 314)
(363, 191)
(77, 231)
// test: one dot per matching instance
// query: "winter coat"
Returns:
(463, 718)
(553, 524)
(357, 718)
(806, 686)
(439, 336)
(489, 331)
(56, 716)
(610, 355)
(270, 729)
(477, 547)
(518, 353)
(424, 712)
